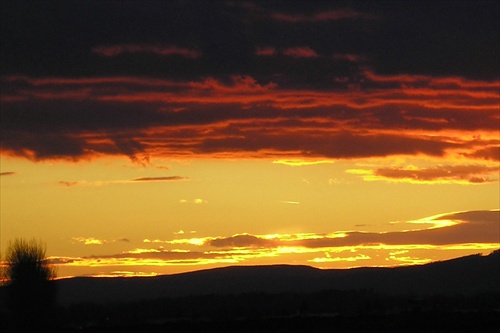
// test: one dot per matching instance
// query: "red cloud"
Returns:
(349, 57)
(331, 15)
(116, 50)
(72, 118)
(300, 52)
(266, 51)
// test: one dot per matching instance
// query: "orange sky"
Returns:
(249, 133)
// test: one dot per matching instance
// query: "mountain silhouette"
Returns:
(462, 276)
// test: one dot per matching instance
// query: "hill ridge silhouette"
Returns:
(465, 275)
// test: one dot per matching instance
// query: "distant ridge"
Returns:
(466, 275)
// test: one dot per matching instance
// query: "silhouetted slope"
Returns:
(466, 275)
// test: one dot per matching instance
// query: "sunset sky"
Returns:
(143, 138)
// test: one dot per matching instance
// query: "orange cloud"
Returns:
(439, 174)
(243, 117)
(487, 153)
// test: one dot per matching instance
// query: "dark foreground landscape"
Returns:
(460, 295)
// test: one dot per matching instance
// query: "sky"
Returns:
(159, 137)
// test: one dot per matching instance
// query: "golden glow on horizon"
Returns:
(291, 237)
(392, 255)
(139, 251)
(329, 259)
(372, 255)
(302, 162)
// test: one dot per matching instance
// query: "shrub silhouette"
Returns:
(30, 291)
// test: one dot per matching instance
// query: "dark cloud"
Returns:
(474, 217)
(329, 15)
(438, 38)
(244, 240)
(40, 147)
(159, 179)
(8, 173)
(333, 79)
(126, 240)
(170, 50)
(229, 128)
(110, 182)
(57, 37)
(334, 145)
(212, 117)
(470, 173)
(487, 153)
(300, 52)
(469, 227)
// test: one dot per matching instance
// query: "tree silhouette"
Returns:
(30, 291)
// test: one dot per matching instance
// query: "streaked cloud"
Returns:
(349, 57)
(238, 241)
(154, 118)
(111, 182)
(266, 51)
(7, 173)
(196, 201)
(450, 232)
(124, 274)
(96, 241)
(302, 162)
(158, 179)
(330, 259)
(462, 228)
(171, 50)
(368, 84)
(332, 15)
(290, 202)
(300, 52)
(462, 174)
(89, 241)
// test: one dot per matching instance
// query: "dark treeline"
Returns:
(263, 305)
(353, 310)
